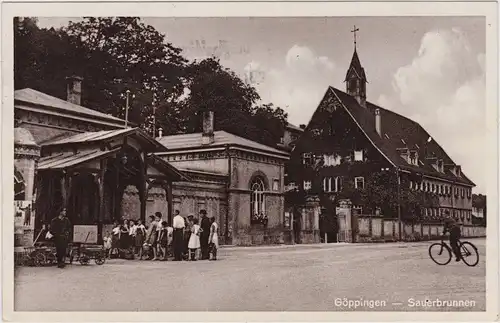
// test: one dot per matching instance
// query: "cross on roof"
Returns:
(354, 31)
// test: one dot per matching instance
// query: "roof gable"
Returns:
(33, 97)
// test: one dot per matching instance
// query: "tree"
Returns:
(111, 54)
(213, 87)
(114, 55)
(43, 58)
(122, 54)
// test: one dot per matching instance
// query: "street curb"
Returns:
(328, 245)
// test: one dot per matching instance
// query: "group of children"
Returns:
(130, 239)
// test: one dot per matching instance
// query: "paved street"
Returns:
(289, 278)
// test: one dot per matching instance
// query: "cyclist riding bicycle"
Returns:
(451, 226)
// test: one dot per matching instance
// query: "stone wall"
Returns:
(377, 229)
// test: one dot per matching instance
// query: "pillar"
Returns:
(66, 188)
(170, 199)
(100, 179)
(26, 156)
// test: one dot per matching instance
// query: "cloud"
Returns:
(298, 86)
(444, 89)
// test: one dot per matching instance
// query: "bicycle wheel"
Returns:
(440, 253)
(470, 255)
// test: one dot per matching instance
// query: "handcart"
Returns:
(40, 254)
(84, 252)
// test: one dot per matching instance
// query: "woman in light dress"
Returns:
(213, 240)
(194, 240)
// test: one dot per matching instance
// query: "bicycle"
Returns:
(467, 251)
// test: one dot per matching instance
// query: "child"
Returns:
(213, 240)
(194, 240)
(107, 244)
(163, 238)
(140, 234)
(115, 240)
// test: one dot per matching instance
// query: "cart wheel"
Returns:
(84, 260)
(28, 261)
(100, 260)
(51, 259)
(39, 260)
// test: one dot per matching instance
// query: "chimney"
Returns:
(160, 132)
(208, 128)
(74, 86)
(378, 122)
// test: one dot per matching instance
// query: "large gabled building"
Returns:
(348, 139)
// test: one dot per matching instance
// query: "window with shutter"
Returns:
(359, 182)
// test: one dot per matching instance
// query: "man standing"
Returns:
(205, 234)
(60, 228)
(178, 239)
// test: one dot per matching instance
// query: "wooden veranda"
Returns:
(88, 173)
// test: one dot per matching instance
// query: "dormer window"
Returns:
(404, 153)
(440, 165)
(307, 185)
(413, 158)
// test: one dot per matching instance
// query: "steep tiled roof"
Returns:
(31, 96)
(221, 138)
(399, 132)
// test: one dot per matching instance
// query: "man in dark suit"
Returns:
(205, 234)
(60, 228)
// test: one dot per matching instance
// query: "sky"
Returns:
(429, 69)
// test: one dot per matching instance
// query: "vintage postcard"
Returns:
(271, 161)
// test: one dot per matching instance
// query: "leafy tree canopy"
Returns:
(117, 54)
(234, 103)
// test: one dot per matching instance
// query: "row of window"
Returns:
(331, 159)
(440, 189)
(435, 212)
(334, 184)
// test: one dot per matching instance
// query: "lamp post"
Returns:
(126, 108)
(399, 203)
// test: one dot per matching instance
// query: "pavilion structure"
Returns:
(88, 174)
